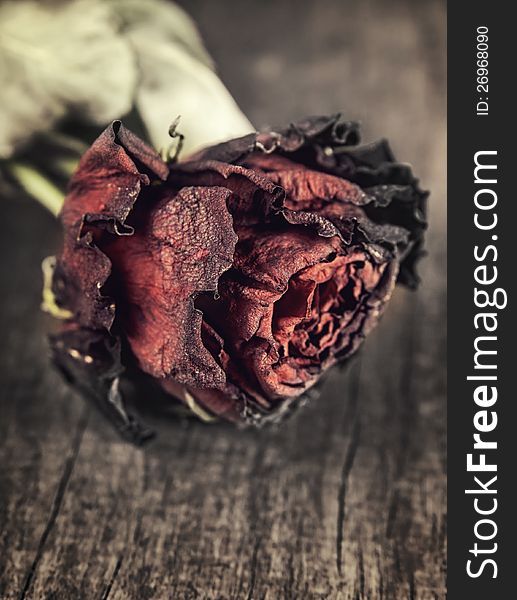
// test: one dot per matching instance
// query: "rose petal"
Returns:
(102, 193)
(91, 361)
(330, 144)
(255, 197)
(110, 176)
(180, 248)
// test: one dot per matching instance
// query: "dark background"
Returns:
(468, 134)
(347, 500)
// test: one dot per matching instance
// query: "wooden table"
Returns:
(347, 500)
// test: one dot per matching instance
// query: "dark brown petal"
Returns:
(90, 361)
(235, 285)
(311, 190)
(110, 175)
(180, 248)
(331, 301)
(294, 193)
(255, 197)
(101, 194)
(80, 274)
(330, 144)
(269, 257)
(270, 292)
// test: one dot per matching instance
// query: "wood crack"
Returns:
(346, 469)
(58, 500)
(109, 586)
(256, 492)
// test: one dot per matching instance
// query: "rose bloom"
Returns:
(237, 277)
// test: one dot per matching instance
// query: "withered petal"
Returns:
(331, 145)
(255, 197)
(109, 177)
(101, 194)
(307, 189)
(90, 360)
(180, 249)
(243, 273)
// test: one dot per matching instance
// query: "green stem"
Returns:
(37, 186)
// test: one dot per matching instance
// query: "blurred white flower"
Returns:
(87, 62)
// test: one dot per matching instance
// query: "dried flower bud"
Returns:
(236, 278)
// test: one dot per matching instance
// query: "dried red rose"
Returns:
(236, 278)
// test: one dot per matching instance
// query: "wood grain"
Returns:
(346, 500)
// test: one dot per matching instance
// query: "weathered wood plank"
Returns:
(346, 500)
